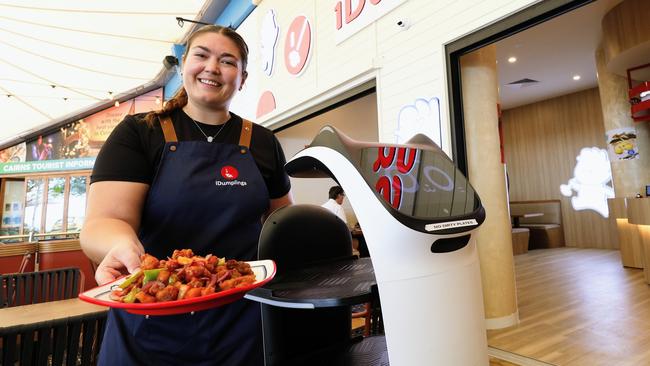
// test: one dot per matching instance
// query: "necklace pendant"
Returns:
(210, 138)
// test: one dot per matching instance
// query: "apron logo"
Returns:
(229, 172)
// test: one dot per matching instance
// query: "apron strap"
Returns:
(168, 129)
(246, 132)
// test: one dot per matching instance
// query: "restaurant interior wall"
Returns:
(541, 143)
(403, 50)
(357, 119)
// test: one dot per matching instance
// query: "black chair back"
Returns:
(293, 237)
(299, 234)
(66, 341)
(36, 287)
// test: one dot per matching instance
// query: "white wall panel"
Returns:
(408, 63)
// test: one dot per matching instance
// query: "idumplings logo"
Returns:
(230, 174)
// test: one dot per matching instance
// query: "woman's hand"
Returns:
(108, 236)
(120, 259)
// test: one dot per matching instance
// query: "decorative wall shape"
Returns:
(269, 32)
(423, 116)
(265, 104)
(591, 177)
(297, 45)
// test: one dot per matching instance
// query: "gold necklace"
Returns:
(209, 138)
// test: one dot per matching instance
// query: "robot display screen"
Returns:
(419, 183)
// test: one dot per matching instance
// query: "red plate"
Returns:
(264, 272)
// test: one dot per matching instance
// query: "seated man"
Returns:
(335, 202)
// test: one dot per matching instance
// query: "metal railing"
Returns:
(32, 237)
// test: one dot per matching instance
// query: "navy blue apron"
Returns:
(209, 197)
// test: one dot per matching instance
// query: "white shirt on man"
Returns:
(336, 209)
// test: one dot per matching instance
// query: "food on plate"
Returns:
(182, 276)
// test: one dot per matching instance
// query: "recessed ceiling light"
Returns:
(512, 60)
(576, 77)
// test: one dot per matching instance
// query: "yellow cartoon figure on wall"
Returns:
(622, 145)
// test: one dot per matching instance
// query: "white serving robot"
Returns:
(418, 214)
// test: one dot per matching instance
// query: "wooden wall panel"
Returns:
(541, 142)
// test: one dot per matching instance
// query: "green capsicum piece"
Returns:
(150, 275)
(132, 278)
(130, 298)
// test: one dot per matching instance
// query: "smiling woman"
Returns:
(192, 174)
(214, 69)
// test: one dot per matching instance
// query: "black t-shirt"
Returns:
(132, 151)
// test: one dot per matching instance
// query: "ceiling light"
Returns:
(512, 59)
(576, 77)
(117, 103)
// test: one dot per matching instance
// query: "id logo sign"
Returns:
(351, 16)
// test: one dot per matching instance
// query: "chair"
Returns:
(366, 314)
(66, 341)
(546, 231)
(520, 239)
(320, 336)
(285, 240)
(42, 286)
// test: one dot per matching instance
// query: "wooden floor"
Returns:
(498, 362)
(578, 307)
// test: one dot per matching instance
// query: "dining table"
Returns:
(357, 233)
(51, 310)
(516, 217)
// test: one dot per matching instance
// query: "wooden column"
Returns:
(638, 210)
(629, 176)
(627, 234)
(487, 176)
(625, 44)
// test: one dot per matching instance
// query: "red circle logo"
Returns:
(297, 45)
(229, 172)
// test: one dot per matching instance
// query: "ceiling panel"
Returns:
(60, 57)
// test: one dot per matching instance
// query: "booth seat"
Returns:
(546, 230)
(520, 240)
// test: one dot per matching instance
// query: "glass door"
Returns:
(34, 205)
(55, 207)
(76, 202)
(12, 211)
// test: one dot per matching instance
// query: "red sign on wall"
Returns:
(297, 45)
(351, 16)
